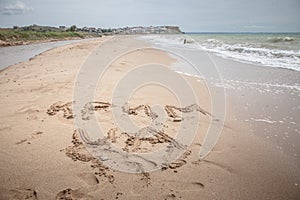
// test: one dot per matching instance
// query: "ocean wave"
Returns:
(281, 39)
(289, 59)
(244, 51)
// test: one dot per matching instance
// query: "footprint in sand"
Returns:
(170, 196)
(215, 164)
(31, 112)
(183, 186)
(89, 178)
(19, 193)
(69, 194)
(141, 184)
(33, 137)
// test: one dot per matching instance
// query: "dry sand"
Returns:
(43, 157)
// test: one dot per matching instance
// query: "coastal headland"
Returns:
(37, 34)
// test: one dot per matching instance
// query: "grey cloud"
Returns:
(15, 8)
(190, 15)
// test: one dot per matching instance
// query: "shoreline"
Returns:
(258, 100)
(280, 51)
(12, 55)
(44, 157)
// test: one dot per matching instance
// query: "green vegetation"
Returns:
(35, 33)
(72, 28)
(9, 35)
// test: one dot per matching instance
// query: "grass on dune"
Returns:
(18, 35)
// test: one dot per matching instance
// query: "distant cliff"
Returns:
(174, 29)
(148, 30)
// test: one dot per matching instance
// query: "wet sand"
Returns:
(14, 54)
(44, 157)
(265, 98)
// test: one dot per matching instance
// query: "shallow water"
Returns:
(265, 97)
(15, 54)
(280, 50)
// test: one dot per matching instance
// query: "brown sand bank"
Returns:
(43, 157)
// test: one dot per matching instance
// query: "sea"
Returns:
(258, 73)
(268, 49)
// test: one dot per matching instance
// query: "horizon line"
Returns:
(229, 32)
(186, 32)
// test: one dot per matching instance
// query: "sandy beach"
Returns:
(44, 153)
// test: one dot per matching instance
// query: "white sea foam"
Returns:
(289, 59)
(258, 86)
(264, 120)
(246, 51)
(267, 51)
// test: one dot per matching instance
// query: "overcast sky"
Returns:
(190, 15)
